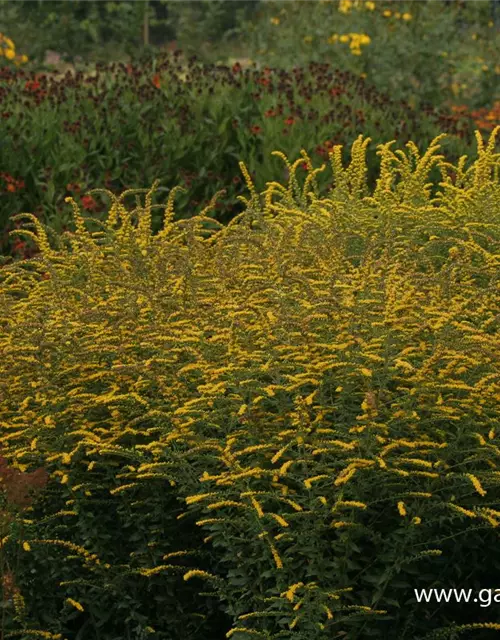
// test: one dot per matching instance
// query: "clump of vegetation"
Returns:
(190, 124)
(288, 422)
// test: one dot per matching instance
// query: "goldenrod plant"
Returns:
(291, 420)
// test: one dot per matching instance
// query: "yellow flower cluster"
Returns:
(356, 40)
(387, 13)
(8, 50)
(345, 6)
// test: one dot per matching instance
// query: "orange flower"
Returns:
(11, 188)
(156, 80)
(255, 129)
(289, 121)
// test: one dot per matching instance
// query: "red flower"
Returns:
(11, 188)
(270, 113)
(265, 81)
(255, 129)
(89, 203)
(156, 80)
(32, 85)
(336, 91)
(304, 166)
(289, 121)
(236, 67)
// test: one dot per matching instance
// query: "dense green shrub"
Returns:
(312, 389)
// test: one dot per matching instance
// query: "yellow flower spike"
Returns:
(279, 519)
(311, 178)
(40, 238)
(401, 508)
(196, 573)
(77, 216)
(250, 632)
(75, 604)
(248, 179)
(26, 546)
(277, 559)
(169, 211)
(475, 482)
(257, 507)
(212, 203)
(290, 594)
(144, 223)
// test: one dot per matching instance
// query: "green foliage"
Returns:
(444, 51)
(188, 123)
(100, 31)
(204, 26)
(292, 418)
(76, 28)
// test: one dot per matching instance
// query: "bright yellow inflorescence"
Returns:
(315, 347)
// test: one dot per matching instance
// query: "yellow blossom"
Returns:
(75, 604)
(476, 484)
(407, 16)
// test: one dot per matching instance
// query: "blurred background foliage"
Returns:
(108, 31)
